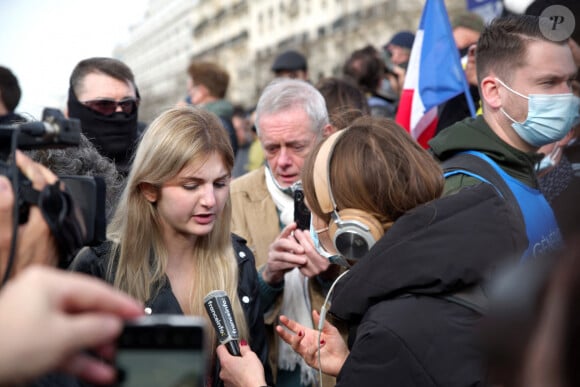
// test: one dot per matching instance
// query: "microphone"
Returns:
(219, 309)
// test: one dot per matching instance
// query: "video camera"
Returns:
(76, 216)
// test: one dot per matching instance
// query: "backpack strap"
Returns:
(468, 163)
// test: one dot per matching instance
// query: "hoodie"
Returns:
(475, 134)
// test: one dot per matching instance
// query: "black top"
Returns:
(93, 261)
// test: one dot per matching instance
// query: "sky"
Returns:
(41, 41)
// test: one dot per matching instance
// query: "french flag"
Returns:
(434, 74)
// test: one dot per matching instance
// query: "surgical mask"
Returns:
(550, 160)
(333, 258)
(550, 117)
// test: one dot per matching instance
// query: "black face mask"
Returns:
(115, 136)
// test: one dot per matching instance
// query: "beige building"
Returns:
(245, 36)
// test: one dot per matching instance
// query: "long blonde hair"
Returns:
(178, 137)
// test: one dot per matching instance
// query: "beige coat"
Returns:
(254, 214)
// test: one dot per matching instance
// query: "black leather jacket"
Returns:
(93, 261)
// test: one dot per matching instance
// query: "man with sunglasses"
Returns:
(103, 95)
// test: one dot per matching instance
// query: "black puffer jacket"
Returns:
(404, 332)
(93, 261)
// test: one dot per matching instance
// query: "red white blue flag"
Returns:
(434, 74)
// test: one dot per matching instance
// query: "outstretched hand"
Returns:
(304, 341)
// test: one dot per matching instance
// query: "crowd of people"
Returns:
(409, 271)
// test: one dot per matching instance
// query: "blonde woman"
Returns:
(169, 240)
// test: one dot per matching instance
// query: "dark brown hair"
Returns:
(345, 102)
(109, 66)
(366, 68)
(214, 77)
(502, 46)
(377, 167)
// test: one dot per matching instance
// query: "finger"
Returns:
(37, 173)
(288, 260)
(90, 369)
(289, 338)
(106, 351)
(222, 352)
(291, 324)
(36, 243)
(316, 264)
(304, 239)
(288, 244)
(83, 293)
(6, 208)
(89, 330)
(309, 270)
(245, 350)
(287, 231)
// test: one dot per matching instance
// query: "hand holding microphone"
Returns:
(219, 309)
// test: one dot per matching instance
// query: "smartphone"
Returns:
(301, 212)
(162, 351)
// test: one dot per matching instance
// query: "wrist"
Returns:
(270, 278)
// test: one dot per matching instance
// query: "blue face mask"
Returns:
(333, 258)
(550, 117)
(550, 160)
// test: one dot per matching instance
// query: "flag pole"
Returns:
(468, 97)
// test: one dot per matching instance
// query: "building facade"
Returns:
(245, 36)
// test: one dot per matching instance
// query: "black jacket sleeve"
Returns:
(249, 294)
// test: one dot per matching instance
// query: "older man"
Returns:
(291, 119)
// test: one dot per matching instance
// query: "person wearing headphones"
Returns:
(375, 199)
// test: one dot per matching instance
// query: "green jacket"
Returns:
(220, 108)
(475, 134)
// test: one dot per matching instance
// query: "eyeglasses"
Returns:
(107, 107)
